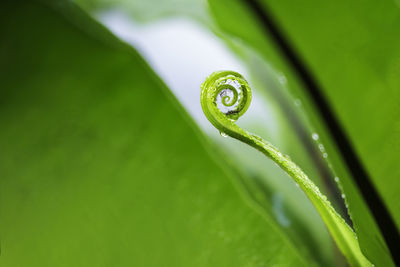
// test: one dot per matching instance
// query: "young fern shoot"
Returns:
(225, 96)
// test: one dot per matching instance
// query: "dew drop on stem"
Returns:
(223, 134)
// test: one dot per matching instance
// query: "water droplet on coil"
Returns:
(343, 196)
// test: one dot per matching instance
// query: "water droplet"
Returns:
(343, 196)
(315, 136)
(325, 155)
(297, 102)
(321, 147)
(336, 179)
(223, 134)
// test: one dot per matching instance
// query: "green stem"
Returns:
(216, 87)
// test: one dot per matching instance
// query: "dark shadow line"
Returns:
(358, 172)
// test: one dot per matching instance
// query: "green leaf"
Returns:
(352, 50)
(99, 164)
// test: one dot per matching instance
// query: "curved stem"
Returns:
(221, 81)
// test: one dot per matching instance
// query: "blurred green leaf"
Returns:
(147, 11)
(99, 164)
(352, 49)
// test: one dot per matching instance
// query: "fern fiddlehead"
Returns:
(225, 96)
